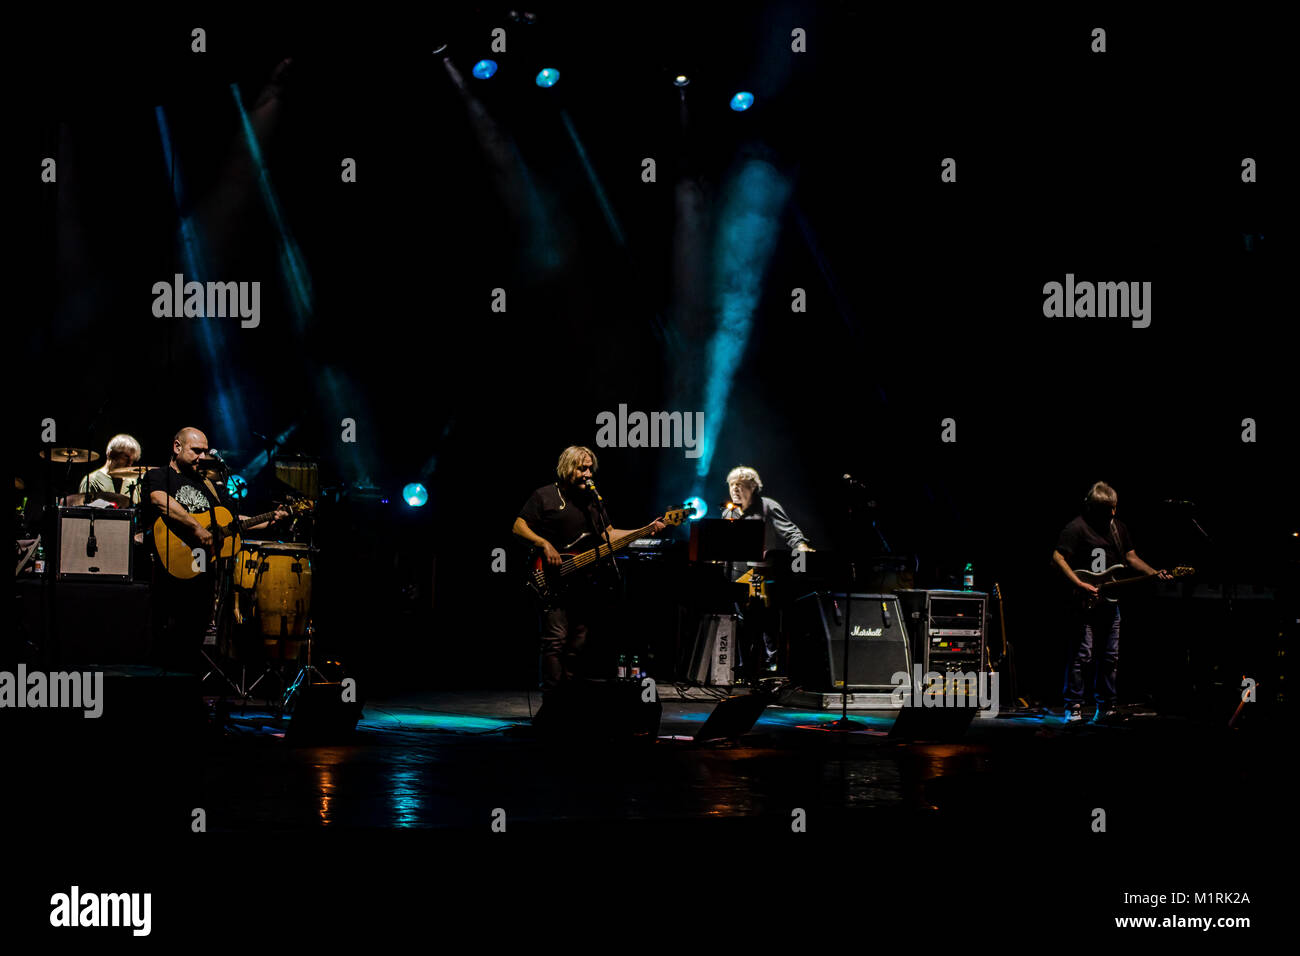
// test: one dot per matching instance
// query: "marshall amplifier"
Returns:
(95, 544)
(878, 646)
(946, 628)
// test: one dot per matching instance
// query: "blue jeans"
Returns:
(1098, 628)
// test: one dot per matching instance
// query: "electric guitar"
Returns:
(757, 586)
(1115, 578)
(174, 550)
(548, 581)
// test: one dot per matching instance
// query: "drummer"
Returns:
(123, 451)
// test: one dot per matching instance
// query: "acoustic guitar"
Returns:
(175, 550)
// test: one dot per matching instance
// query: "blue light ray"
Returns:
(749, 225)
(297, 277)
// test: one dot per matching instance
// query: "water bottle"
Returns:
(622, 667)
(38, 566)
(636, 667)
(968, 577)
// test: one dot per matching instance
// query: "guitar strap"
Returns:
(1114, 539)
(216, 498)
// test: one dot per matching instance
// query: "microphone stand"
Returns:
(846, 724)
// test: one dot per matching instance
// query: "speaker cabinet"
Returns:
(95, 544)
(878, 645)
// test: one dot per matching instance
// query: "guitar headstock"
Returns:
(676, 516)
(1181, 572)
(300, 507)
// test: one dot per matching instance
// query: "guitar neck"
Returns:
(604, 550)
(246, 523)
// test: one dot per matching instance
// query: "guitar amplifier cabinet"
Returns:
(878, 646)
(108, 557)
(947, 628)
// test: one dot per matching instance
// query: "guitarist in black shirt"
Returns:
(554, 519)
(1096, 540)
(184, 610)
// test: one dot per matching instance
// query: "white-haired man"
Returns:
(123, 451)
(564, 516)
(779, 534)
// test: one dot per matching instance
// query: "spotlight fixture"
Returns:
(485, 69)
(548, 77)
(415, 494)
(742, 101)
(681, 79)
(237, 486)
(698, 508)
(440, 49)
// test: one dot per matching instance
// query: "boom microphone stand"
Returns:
(847, 724)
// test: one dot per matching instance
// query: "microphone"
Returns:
(92, 546)
(591, 486)
(884, 615)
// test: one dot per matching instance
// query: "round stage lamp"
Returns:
(485, 69)
(415, 494)
(681, 79)
(548, 77)
(742, 101)
(700, 508)
(237, 486)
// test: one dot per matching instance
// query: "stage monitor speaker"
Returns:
(878, 646)
(599, 710)
(95, 544)
(932, 723)
(318, 711)
(734, 717)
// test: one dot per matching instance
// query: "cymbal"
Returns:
(130, 471)
(18, 484)
(70, 454)
(77, 499)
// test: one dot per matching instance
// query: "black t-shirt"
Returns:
(562, 516)
(191, 492)
(1079, 538)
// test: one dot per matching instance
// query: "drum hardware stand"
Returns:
(304, 672)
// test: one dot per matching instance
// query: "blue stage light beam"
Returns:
(253, 467)
(292, 267)
(748, 227)
(513, 179)
(610, 219)
(227, 416)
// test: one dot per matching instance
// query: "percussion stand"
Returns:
(304, 672)
(217, 620)
(267, 666)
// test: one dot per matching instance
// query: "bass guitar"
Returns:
(1111, 582)
(175, 550)
(548, 581)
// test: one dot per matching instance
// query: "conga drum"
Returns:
(282, 587)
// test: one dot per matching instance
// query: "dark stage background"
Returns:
(924, 298)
